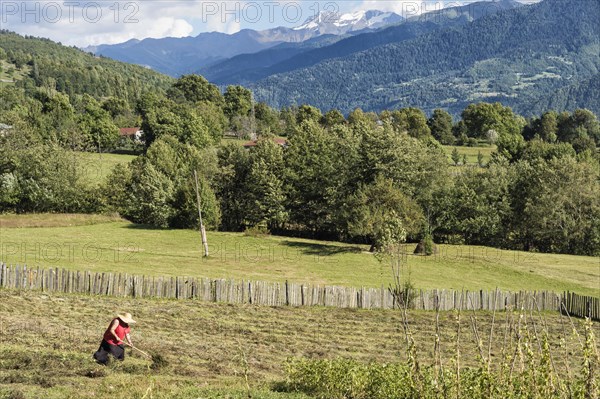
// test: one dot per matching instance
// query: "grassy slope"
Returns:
(46, 342)
(18, 73)
(97, 167)
(117, 245)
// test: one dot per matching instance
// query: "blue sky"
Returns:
(84, 23)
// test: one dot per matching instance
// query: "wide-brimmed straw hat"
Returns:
(126, 318)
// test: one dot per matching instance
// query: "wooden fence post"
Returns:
(286, 294)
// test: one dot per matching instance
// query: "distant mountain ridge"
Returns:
(248, 68)
(178, 56)
(515, 56)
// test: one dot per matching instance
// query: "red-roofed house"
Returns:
(133, 133)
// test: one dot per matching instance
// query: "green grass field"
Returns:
(211, 350)
(97, 243)
(97, 167)
(471, 153)
(232, 140)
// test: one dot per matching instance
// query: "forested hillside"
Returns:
(249, 68)
(582, 94)
(74, 72)
(177, 56)
(514, 56)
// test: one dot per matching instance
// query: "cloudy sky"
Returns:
(84, 23)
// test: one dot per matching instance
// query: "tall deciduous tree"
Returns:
(557, 206)
(163, 117)
(383, 214)
(308, 113)
(160, 189)
(37, 177)
(416, 168)
(412, 121)
(238, 101)
(317, 170)
(580, 125)
(548, 128)
(264, 186)
(480, 118)
(477, 207)
(98, 126)
(267, 119)
(333, 117)
(230, 186)
(195, 88)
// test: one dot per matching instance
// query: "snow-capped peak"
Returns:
(336, 23)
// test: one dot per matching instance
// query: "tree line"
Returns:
(365, 177)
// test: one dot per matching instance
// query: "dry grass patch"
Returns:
(36, 220)
(46, 342)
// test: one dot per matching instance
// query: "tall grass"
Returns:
(525, 368)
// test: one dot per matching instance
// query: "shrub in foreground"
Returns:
(526, 370)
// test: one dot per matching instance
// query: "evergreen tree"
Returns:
(383, 214)
(455, 157)
(440, 125)
(231, 186)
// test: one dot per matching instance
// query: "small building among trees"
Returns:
(135, 134)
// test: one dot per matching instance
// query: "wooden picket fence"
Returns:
(279, 294)
(582, 306)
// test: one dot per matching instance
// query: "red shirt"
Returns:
(121, 330)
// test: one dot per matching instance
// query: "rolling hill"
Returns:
(44, 63)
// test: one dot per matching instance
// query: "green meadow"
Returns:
(109, 244)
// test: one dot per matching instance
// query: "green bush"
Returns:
(428, 245)
(532, 376)
(349, 379)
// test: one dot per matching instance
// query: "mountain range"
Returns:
(248, 68)
(531, 57)
(178, 56)
(519, 56)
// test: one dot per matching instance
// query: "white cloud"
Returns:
(82, 23)
(408, 8)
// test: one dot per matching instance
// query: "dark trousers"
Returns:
(105, 349)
